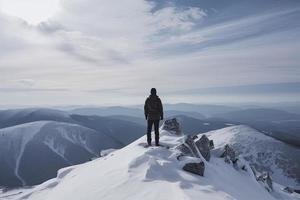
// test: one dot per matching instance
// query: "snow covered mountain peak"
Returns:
(263, 152)
(136, 172)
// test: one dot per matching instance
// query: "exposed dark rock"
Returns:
(264, 178)
(184, 150)
(195, 137)
(178, 157)
(229, 154)
(172, 126)
(211, 144)
(195, 168)
(203, 145)
(192, 146)
(288, 190)
(244, 168)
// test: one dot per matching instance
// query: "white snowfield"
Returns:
(279, 158)
(138, 173)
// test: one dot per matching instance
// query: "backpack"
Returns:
(153, 105)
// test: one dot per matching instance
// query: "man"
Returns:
(153, 113)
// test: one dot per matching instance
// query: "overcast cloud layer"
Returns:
(112, 51)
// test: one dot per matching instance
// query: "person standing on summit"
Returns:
(153, 113)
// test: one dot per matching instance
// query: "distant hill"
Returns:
(54, 139)
(279, 124)
(13, 117)
(33, 152)
(130, 111)
(205, 109)
(259, 114)
(107, 111)
(192, 126)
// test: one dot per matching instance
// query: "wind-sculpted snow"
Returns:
(135, 172)
(263, 152)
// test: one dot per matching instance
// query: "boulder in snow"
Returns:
(190, 143)
(229, 154)
(188, 147)
(288, 190)
(184, 150)
(195, 168)
(266, 180)
(195, 137)
(211, 144)
(172, 125)
(203, 144)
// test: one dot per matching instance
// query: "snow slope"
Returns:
(135, 172)
(264, 152)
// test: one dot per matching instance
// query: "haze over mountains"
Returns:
(277, 122)
(65, 138)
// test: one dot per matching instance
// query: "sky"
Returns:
(92, 52)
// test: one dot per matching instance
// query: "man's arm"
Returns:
(146, 112)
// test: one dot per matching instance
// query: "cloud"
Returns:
(25, 90)
(26, 82)
(92, 47)
(174, 19)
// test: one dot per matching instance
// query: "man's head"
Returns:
(153, 91)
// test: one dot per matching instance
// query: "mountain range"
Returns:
(136, 172)
(54, 139)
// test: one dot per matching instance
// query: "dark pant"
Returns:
(149, 129)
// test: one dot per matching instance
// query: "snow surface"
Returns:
(281, 159)
(154, 173)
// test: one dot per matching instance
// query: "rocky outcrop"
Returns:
(266, 181)
(195, 168)
(190, 143)
(230, 157)
(188, 148)
(203, 145)
(229, 154)
(199, 149)
(291, 190)
(211, 144)
(173, 126)
(263, 178)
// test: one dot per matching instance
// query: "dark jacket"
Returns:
(153, 108)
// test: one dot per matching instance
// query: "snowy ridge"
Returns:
(264, 152)
(59, 144)
(135, 173)
(18, 137)
(72, 133)
(56, 148)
